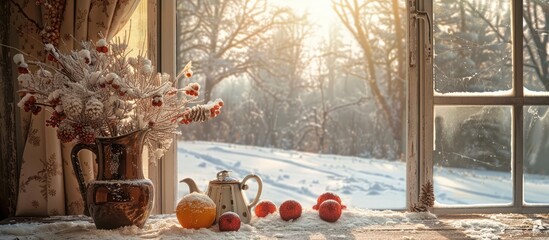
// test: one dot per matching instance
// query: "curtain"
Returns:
(47, 183)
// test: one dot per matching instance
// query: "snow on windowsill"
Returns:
(167, 227)
(502, 93)
(307, 226)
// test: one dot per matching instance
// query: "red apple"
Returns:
(229, 221)
(329, 210)
(326, 196)
(264, 208)
(290, 209)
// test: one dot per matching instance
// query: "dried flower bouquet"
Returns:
(100, 91)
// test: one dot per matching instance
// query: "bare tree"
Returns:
(369, 22)
(279, 77)
(536, 16)
(218, 35)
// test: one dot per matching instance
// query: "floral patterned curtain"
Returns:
(47, 183)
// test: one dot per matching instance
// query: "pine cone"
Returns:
(417, 207)
(198, 113)
(426, 198)
(94, 109)
(72, 107)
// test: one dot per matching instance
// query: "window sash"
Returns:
(421, 101)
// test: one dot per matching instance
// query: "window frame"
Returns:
(165, 183)
(419, 113)
(422, 101)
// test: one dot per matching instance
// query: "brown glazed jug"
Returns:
(120, 195)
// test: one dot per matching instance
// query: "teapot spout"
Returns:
(191, 184)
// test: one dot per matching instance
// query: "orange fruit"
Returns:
(196, 210)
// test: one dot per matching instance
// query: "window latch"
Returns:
(428, 48)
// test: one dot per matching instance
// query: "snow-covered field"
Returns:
(360, 182)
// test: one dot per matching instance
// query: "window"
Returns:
(312, 104)
(479, 69)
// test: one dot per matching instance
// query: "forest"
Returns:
(341, 89)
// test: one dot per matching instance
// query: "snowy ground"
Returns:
(360, 182)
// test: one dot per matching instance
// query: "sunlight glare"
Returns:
(320, 11)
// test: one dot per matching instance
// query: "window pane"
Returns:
(472, 155)
(536, 46)
(536, 154)
(308, 107)
(472, 47)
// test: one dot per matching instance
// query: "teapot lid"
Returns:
(224, 177)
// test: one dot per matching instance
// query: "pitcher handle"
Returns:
(259, 188)
(78, 169)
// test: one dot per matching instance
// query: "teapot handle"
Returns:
(78, 169)
(259, 188)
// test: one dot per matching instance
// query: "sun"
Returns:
(320, 11)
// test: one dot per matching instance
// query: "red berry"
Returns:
(229, 221)
(31, 100)
(51, 57)
(36, 109)
(102, 49)
(220, 104)
(156, 102)
(289, 210)
(22, 70)
(55, 119)
(329, 210)
(86, 134)
(327, 196)
(66, 133)
(188, 74)
(264, 208)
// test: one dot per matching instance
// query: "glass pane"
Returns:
(300, 109)
(472, 47)
(536, 154)
(536, 47)
(472, 155)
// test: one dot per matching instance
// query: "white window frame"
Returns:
(421, 110)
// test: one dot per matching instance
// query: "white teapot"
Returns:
(228, 194)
